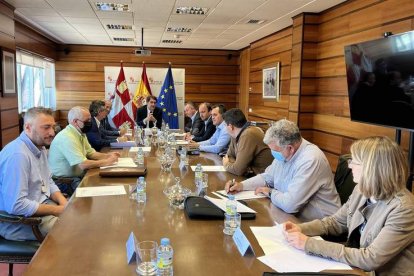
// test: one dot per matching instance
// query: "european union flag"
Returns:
(167, 101)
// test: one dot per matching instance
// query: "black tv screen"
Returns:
(380, 76)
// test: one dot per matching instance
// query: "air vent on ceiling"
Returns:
(118, 27)
(191, 10)
(172, 41)
(255, 21)
(179, 30)
(123, 39)
(103, 6)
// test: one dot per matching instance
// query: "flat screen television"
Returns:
(380, 76)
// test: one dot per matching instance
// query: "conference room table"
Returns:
(90, 236)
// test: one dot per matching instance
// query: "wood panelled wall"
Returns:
(210, 75)
(317, 74)
(9, 122)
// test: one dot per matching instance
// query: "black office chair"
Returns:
(343, 178)
(19, 252)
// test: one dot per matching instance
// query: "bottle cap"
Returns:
(165, 241)
(231, 197)
(141, 178)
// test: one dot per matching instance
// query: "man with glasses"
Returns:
(71, 154)
(109, 130)
(299, 181)
(26, 186)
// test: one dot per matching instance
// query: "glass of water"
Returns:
(231, 223)
(146, 255)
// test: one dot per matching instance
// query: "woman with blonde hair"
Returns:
(378, 216)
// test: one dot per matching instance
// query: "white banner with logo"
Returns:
(156, 78)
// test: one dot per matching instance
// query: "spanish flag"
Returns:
(143, 90)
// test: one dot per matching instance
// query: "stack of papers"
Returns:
(123, 144)
(240, 195)
(282, 257)
(221, 203)
(135, 149)
(123, 163)
(211, 168)
(100, 191)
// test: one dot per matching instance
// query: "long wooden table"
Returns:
(90, 236)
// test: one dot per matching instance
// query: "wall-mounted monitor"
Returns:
(380, 76)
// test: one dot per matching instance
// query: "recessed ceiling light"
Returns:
(255, 21)
(179, 30)
(103, 6)
(191, 10)
(172, 41)
(123, 39)
(118, 27)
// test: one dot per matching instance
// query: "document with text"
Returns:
(100, 191)
(221, 203)
(282, 257)
(126, 162)
(243, 195)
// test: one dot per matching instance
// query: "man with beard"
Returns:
(71, 154)
(26, 188)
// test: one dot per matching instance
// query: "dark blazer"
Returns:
(142, 114)
(97, 138)
(195, 128)
(107, 129)
(206, 132)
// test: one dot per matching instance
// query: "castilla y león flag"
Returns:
(122, 104)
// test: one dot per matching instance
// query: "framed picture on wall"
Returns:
(8, 71)
(271, 82)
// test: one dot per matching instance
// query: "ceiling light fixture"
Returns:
(118, 27)
(255, 21)
(179, 30)
(172, 41)
(191, 10)
(103, 6)
(122, 39)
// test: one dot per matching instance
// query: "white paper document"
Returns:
(122, 163)
(221, 203)
(100, 191)
(135, 149)
(243, 195)
(211, 168)
(179, 134)
(282, 257)
(181, 142)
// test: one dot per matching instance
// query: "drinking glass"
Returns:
(146, 255)
(231, 223)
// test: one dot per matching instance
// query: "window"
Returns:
(35, 82)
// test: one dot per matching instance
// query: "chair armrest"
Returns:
(5, 217)
(34, 222)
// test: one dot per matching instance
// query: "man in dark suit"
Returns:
(98, 137)
(195, 123)
(109, 130)
(149, 114)
(209, 128)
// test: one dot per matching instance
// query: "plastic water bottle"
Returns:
(231, 205)
(167, 129)
(198, 175)
(140, 157)
(165, 254)
(183, 155)
(141, 190)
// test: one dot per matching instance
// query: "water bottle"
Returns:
(231, 205)
(198, 175)
(167, 129)
(141, 190)
(183, 155)
(140, 157)
(165, 254)
(138, 136)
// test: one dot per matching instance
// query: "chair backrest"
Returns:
(343, 178)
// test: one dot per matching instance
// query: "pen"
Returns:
(233, 182)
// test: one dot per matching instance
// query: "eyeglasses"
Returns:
(84, 121)
(351, 162)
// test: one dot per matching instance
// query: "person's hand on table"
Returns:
(225, 160)
(233, 187)
(193, 145)
(263, 190)
(293, 235)
(122, 131)
(122, 139)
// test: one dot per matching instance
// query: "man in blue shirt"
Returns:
(26, 186)
(220, 140)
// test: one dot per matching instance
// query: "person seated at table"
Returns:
(111, 131)
(378, 217)
(195, 123)
(209, 128)
(26, 188)
(98, 137)
(299, 181)
(220, 140)
(149, 114)
(248, 155)
(71, 154)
